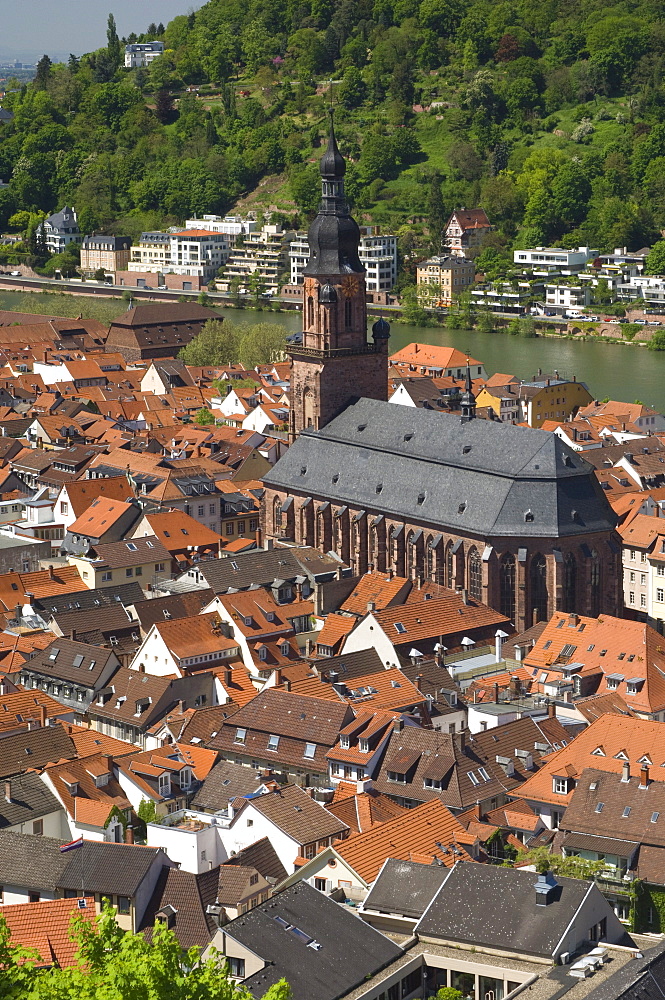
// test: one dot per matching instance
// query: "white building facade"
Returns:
(193, 252)
(142, 54)
(377, 252)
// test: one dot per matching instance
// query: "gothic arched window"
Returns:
(538, 581)
(596, 579)
(569, 583)
(348, 314)
(507, 585)
(475, 575)
(450, 576)
(310, 312)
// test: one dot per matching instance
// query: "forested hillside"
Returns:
(550, 115)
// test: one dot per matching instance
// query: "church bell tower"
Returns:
(335, 363)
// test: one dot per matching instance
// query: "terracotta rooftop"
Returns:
(411, 836)
(45, 927)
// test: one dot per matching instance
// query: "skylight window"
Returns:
(600, 807)
(483, 774)
(132, 546)
(273, 742)
(626, 813)
(399, 628)
(77, 661)
(240, 735)
(310, 750)
(654, 817)
(473, 777)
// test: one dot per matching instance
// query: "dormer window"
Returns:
(344, 742)
(560, 786)
(273, 742)
(240, 735)
(263, 653)
(164, 784)
(363, 746)
(185, 777)
(397, 776)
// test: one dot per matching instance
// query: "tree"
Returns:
(262, 344)
(43, 73)
(204, 416)
(112, 963)
(655, 262)
(217, 343)
(449, 993)
(147, 810)
(353, 89)
(164, 106)
(112, 41)
(436, 213)
(570, 867)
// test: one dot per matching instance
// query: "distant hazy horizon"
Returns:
(35, 27)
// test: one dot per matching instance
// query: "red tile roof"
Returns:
(45, 927)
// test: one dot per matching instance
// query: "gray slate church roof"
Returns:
(479, 477)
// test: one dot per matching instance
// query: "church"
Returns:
(509, 514)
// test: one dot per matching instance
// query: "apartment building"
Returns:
(264, 253)
(554, 259)
(142, 54)
(229, 225)
(112, 253)
(449, 276)
(192, 252)
(377, 252)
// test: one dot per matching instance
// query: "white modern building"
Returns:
(554, 259)
(229, 225)
(190, 252)
(567, 296)
(142, 54)
(377, 252)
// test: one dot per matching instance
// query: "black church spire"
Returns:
(468, 400)
(333, 236)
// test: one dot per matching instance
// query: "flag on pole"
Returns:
(72, 845)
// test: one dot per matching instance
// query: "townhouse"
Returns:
(72, 672)
(111, 563)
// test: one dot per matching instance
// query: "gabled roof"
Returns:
(101, 516)
(262, 856)
(34, 749)
(460, 909)
(177, 530)
(81, 492)
(375, 588)
(194, 636)
(599, 746)
(351, 950)
(612, 647)
(262, 567)
(416, 835)
(136, 552)
(405, 887)
(629, 811)
(439, 617)
(46, 928)
(362, 811)
(296, 814)
(30, 800)
(225, 782)
(77, 662)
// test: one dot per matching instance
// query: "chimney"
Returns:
(495, 691)
(50, 572)
(72, 634)
(475, 811)
(398, 725)
(42, 715)
(129, 834)
(371, 605)
(8, 790)
(277, 674)
(499, 636)
(419, 681)
(227, 676)
(644, 776)
(465, 596)
(515, 686)
(391, 573)
(364, 785)
(551, 711)
(544, 888)
(573, 620)
(625, 771)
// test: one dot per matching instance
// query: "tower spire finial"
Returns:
(468, 400)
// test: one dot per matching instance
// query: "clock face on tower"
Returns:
(349, 286)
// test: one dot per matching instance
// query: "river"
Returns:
(623, 372)
(619, 371)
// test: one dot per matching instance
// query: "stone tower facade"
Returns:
(334, 363)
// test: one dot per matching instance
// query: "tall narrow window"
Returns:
(348, 314)
(507, 585)
(569, 583)
(475, 575)
(310, 312)
(538, 581)
(450, 580)
(595, 571)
